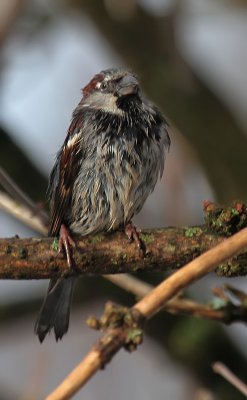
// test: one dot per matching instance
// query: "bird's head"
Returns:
(111, 90)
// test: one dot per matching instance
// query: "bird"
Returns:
(112, 156)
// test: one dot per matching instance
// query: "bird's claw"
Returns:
(66, 243)
(133, 234)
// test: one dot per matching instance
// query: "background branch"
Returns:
(223, 310)
(118, 335)
(226, 373)
(22, 213)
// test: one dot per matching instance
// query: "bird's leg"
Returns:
(66, 243)
(133, 234)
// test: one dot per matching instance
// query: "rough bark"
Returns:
(167, 248)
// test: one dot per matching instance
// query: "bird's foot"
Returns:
(134, 234)
(66, 243)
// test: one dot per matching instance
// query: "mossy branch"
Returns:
(167, 248)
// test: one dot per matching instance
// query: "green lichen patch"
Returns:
(134, 338)
(171, 248)
(192, 232)
(55, 244)
(96, 239)
(147, 238)
(127, 320)
(114, 261)
(218, 303)
(232, 268)
(225, 220)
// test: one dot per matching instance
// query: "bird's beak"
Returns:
(128, 85)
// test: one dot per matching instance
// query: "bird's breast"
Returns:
(114, 181)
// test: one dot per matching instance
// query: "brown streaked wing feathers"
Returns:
(68, 169)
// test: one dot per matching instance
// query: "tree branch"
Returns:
(221, 309)
(126, 329)
(37, 258)
(226, 373)
(106, 254)
(22, 213)
(228, 312)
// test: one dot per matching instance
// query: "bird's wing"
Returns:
(64, 174)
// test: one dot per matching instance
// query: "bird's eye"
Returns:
(103, 86)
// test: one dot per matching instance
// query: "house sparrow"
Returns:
(109, 163)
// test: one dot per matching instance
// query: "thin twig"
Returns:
(131, 284)
(229, 376)
(177, 305)
(114, 339)
(22, 213)
(15, 191)
(194, 270)
(17, 194)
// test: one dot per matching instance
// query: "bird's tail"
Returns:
(55, 310)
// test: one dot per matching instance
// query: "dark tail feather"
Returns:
(55, 310)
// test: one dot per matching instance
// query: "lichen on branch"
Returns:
(168, 248)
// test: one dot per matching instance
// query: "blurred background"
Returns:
(191, 57)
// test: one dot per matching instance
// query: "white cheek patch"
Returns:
(105, 102)
(109, 104)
